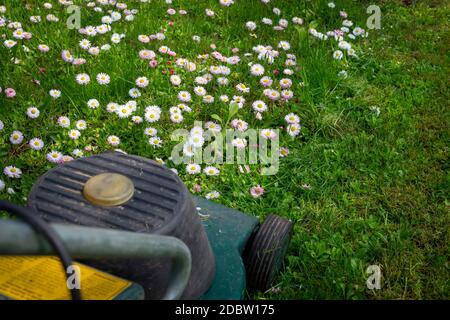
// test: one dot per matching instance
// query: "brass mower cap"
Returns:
(108, 189)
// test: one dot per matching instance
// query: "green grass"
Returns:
(379, 183)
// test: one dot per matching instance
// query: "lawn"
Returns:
(363, 120)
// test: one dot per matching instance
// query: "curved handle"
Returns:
(17, 238)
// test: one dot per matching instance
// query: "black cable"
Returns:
(43, 228)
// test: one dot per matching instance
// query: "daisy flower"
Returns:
(293, 129)
(81, 124)
(147, 54)
(285, 83)
(239, 143)
(85, 44)
(43, 48)
(123, 112)
(16, 137)
(196, 140)
(266, 81)
(200, 91)
(176, 117)
(74, 134)
(239, 125)
(93, 103)
(273, 94)
(112, 107)
(142, 82)
(63, 122)
(250, 25)
(284, 152)
(257, 69)
(208, 99)
(242, 88)
(12, 172)
(184, 96)
(77, 153)
(338, 55)
(134, 93)
(152, 115)
(214, 127)
(193, 168)
(226, 3)
(292, 118)
(33, 112)
(113, 140)
(137, 119)
(259, 106)
(83, 78)
(196, 131)
(10, 92)
(9, 43)
(103, 78)
(175, 80)
(66, 56)
(211, 171)
(284, 45)
(188, 150)
(54, 156)
(268, 134)
(55, 94)
(256, 191)
(155, 141)
(150, 132)
(36, 144)
(212, 195)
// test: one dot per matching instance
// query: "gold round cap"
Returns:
(108, 189)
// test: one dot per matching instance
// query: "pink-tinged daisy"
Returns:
(293, 129)
(239, 125)
(10, 92)
(113, 140)
(292, 118)
(43, 48)
(12, 172)
(226, 3)
(175, 80)
(83, 78)
(63, 122)
(137, 119)
(74, 134)
(103, 79)
(284, 152)
(239, 143)
(266, 81)
(193, 168)
(36, 144)
(16, 137)
(259, 106)
(184, 96)
(81, 124)
(257, 191)
(142, 82)
(268, 134)
(33, 112)
(134, 93)
(212, 195)
(54, 156)
(55, 94)
(211, 171)
(93, 103)
(156, 142)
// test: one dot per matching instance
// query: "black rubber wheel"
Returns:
(265, 253)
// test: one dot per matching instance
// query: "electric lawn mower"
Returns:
(136, 233)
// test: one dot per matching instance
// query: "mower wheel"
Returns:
(264, 255)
